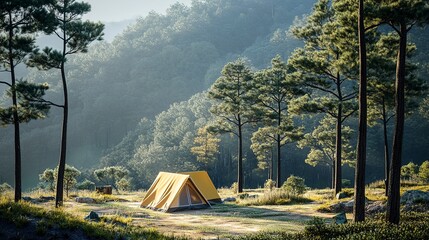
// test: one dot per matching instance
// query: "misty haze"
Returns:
(300, 114)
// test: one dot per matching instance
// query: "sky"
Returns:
(118, 10)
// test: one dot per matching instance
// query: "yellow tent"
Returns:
(171, 192)
(205, 185)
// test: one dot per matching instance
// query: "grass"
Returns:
(274, 213)
(275, 197)
(412, 226)
(110, 227)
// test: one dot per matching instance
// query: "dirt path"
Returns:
(220, 221)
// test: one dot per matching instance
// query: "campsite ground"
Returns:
(219, 221)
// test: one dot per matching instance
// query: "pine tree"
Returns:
(19, 21)
(75, 36)
(233, 107)
(401, 16)
(327, 66)
(273, 89)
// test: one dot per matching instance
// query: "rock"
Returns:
(46, 199)
(229, 199)
(85, 200)
(341, 195)
(375, 207)
(27, 199)
(340, 218)
(348, 206)
(337, 207)
(93, 216)
(415, 196)
(416, 207)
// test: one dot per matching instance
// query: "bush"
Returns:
(124, 184)
(424, 171)
(275, 197)
(234, 187)
(295, 185)
(269, 184)
(5, 187)
(86, 185)
(409, 171)
(412, 226)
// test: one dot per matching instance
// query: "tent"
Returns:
(172, 191)
(205, 185)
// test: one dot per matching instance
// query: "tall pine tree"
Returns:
(75, 36)
(232, 107)
(19, 21)
(326, 64)
(273, 89)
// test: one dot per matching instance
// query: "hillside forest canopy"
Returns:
(247, 90)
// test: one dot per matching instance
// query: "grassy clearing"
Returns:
(263, 214)
(22, 214)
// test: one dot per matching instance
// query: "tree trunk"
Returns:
(338, 148)
(359, 204)
(386, 151)
(333, 176)
(62, 161)
(271, 167)
(240, 157)
(393, 203)
(18, 183)
(278, 142)
(279, 164)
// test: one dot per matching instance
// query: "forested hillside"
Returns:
(158, 60)
(141, 100)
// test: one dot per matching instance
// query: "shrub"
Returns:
(424, 171)
(124, 184)
(269, 184)
(295, 185)
(275, 197)
(86, 185)
(234, 187)
(5, 187)
(409, 171)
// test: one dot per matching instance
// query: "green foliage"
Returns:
(53, 219)
(295, 185)
(112, 176)
(321, 142)
(233, 106)
(273, 89)
(70, 175)
(424, 171)
(206, 146)
(269, 184)
(86, 185)
(48, 177)
(409, 171)
(275, 197)
(124, 184)
(234, 187)
(5, 187)
(231, 92)
(413, 226)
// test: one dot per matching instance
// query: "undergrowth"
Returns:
(113, 227)
(275, 197)
(413, 226)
